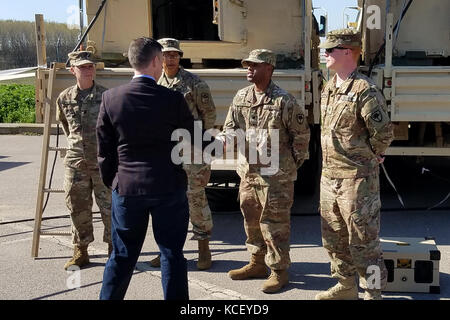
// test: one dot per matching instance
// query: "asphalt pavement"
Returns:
(43, 278)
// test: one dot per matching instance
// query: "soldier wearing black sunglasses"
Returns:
(356, 130)
(332, 49)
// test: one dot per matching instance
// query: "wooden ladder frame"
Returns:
(42, 190)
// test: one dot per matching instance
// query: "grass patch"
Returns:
(17, 104)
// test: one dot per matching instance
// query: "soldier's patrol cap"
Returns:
(170, 44)
(260, 56)
(348, 38)
(79, 58)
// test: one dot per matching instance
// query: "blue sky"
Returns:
(65, 10)
(335, 9)
(53, 10)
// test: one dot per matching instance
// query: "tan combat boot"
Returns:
(204, 255)
(346, 289)
(156, 262)
(373, 295)
(255, 269)
(80, 257)
(277, 280)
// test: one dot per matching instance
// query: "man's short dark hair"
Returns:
(141, 51)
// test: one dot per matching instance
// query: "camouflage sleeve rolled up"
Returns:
(296, 123)
(205, 105)
(375, 114)
(61, 117)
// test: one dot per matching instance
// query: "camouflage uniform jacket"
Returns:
(79, 118)
(355, 127)
(197, 95)
(275, 110)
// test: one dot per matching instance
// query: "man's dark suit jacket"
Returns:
(134, 129)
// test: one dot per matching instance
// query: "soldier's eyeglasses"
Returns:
(332, 49)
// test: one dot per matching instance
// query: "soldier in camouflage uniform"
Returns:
(356, 131)
(200, 102)
(266, 195)
(77, 110)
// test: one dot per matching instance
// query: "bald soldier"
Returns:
(356, 131)
(77, 110)
(267, 190)
(198, 97)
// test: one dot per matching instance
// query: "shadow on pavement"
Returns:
(10, 165)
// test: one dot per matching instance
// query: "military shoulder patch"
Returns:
(377, 116)
(300, 118)
(205, 98)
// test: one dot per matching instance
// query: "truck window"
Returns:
(184, 20)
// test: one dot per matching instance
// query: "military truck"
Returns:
(407, 53)
(406, 49)
(215, 36)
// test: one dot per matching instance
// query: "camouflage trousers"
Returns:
(79, 184)
(350, 222)
(200, 214)
(267, 220)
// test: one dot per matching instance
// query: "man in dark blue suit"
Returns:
(134, 131)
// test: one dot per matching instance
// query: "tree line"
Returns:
(18, 43)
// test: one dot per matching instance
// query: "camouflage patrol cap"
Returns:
(79, 58)
(170, 44)
(342, 37)
(261, 56)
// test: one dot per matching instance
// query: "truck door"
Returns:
(229, 15)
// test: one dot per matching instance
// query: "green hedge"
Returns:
(17, 104)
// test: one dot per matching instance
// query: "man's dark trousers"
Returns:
(130, 216)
